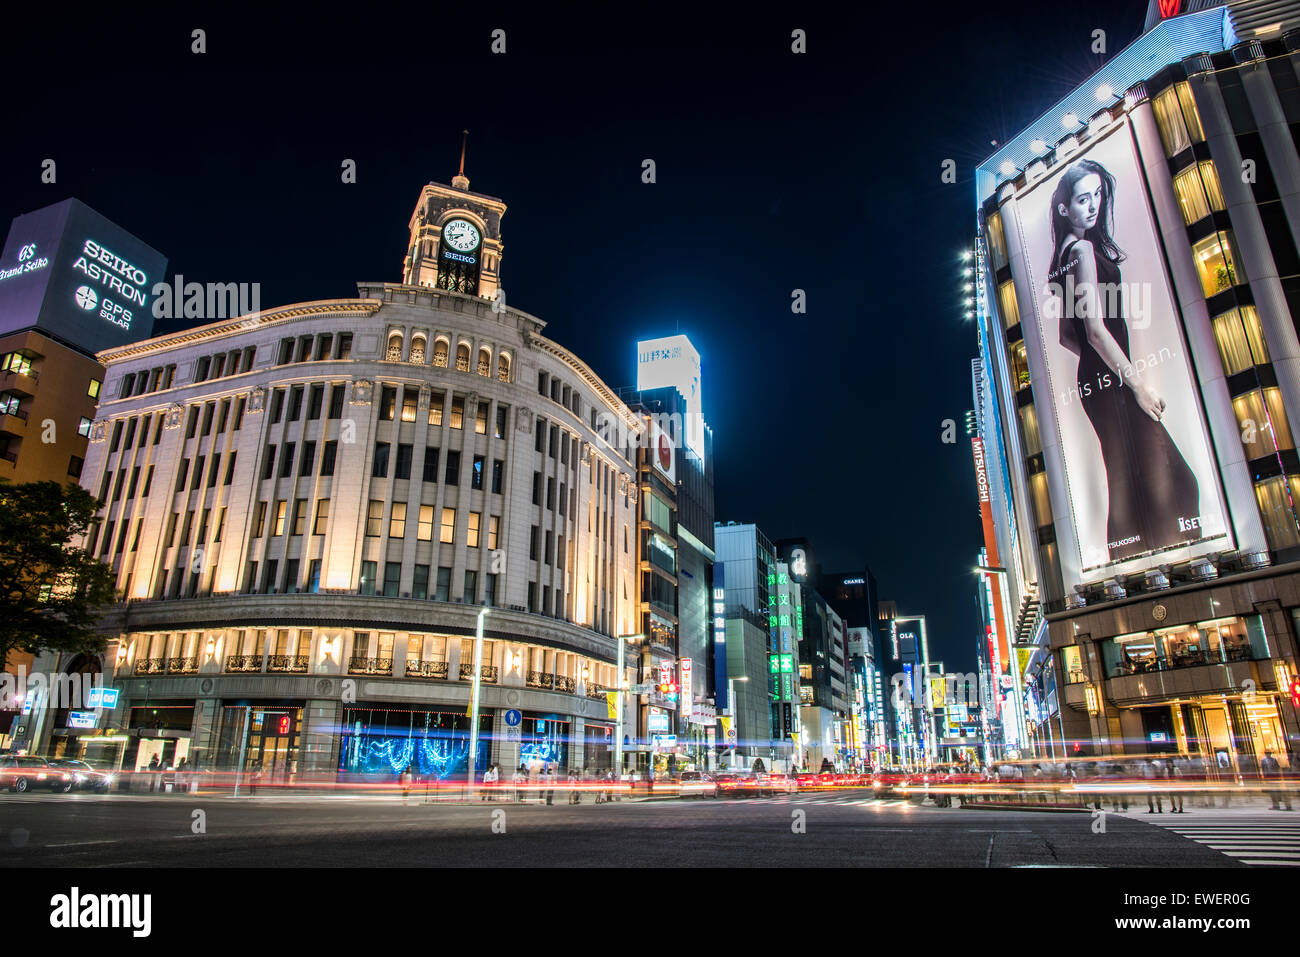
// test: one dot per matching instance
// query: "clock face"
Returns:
(461, 235)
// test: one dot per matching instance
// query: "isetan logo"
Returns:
(77, 910)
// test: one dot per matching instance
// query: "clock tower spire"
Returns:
(455, 239)
(460, 180)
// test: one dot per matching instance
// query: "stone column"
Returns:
(577, 743)
(203, 732)
(318, 751)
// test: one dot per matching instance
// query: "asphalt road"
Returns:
(837, 829)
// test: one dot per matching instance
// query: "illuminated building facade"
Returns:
(763, 628)
(308, 515)
(1145, 496)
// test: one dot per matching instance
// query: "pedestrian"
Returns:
(1150, 772)
(1174, 773)
(489, 781)
(517, 781)
(404, 779)
(573, 786)
(1272, 769)
(550, 783)
(154, 765)
(534, 781)
(611, 794)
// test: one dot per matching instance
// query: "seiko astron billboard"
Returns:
(69, 272)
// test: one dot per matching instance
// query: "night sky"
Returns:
(775, 171)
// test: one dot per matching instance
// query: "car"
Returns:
(22, 772)
(783, 784)
(738, 785)
(697, 784)
(84, 776)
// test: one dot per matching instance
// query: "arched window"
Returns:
(394, 353)
(484, 362)
(503, 367)
(417, 350)
(440, 353)
(462, 358)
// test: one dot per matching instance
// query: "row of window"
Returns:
(315, 401)
(394, 352)
(402, 466)
(410, 396)
(549, 385)
(316, 348)
(157, 379)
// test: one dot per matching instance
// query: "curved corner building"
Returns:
(306, 508)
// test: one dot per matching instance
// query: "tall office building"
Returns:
(71, 282)
(1139, 381)
(668, 393)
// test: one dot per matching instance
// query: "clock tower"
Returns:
(455, 239)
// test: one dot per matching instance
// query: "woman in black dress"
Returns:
(1153, 495)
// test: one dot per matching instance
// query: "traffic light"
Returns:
(1295, 692)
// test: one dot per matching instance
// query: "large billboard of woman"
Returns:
(1140, 474)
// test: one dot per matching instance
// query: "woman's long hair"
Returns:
(1100, 234)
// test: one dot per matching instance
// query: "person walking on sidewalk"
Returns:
(404, 779)
(1174, 772)
(550, 783)
(517, 782)
(1272, 770)
(573, 786)
(1150, 772)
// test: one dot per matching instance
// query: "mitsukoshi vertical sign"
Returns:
(999, 656)
(1131, 438)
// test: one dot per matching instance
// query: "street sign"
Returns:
(643, 688)
(663, 742)
(513, 718)
(99, 697)
(81, 719)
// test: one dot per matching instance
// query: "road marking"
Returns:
(1250, 838)
(80, 843)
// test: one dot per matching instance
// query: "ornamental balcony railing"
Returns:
(541, 679)
(462, 363)
(182, 666)
(289, 663)
(467, 672)
(151, 666)
(565, 683)
(596, 691)
(370, 666)
(243, 663)
(415, 668)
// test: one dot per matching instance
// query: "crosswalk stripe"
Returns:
(1254, 840)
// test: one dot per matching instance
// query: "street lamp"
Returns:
(620, 679)
(476, 687)
(731, 706)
